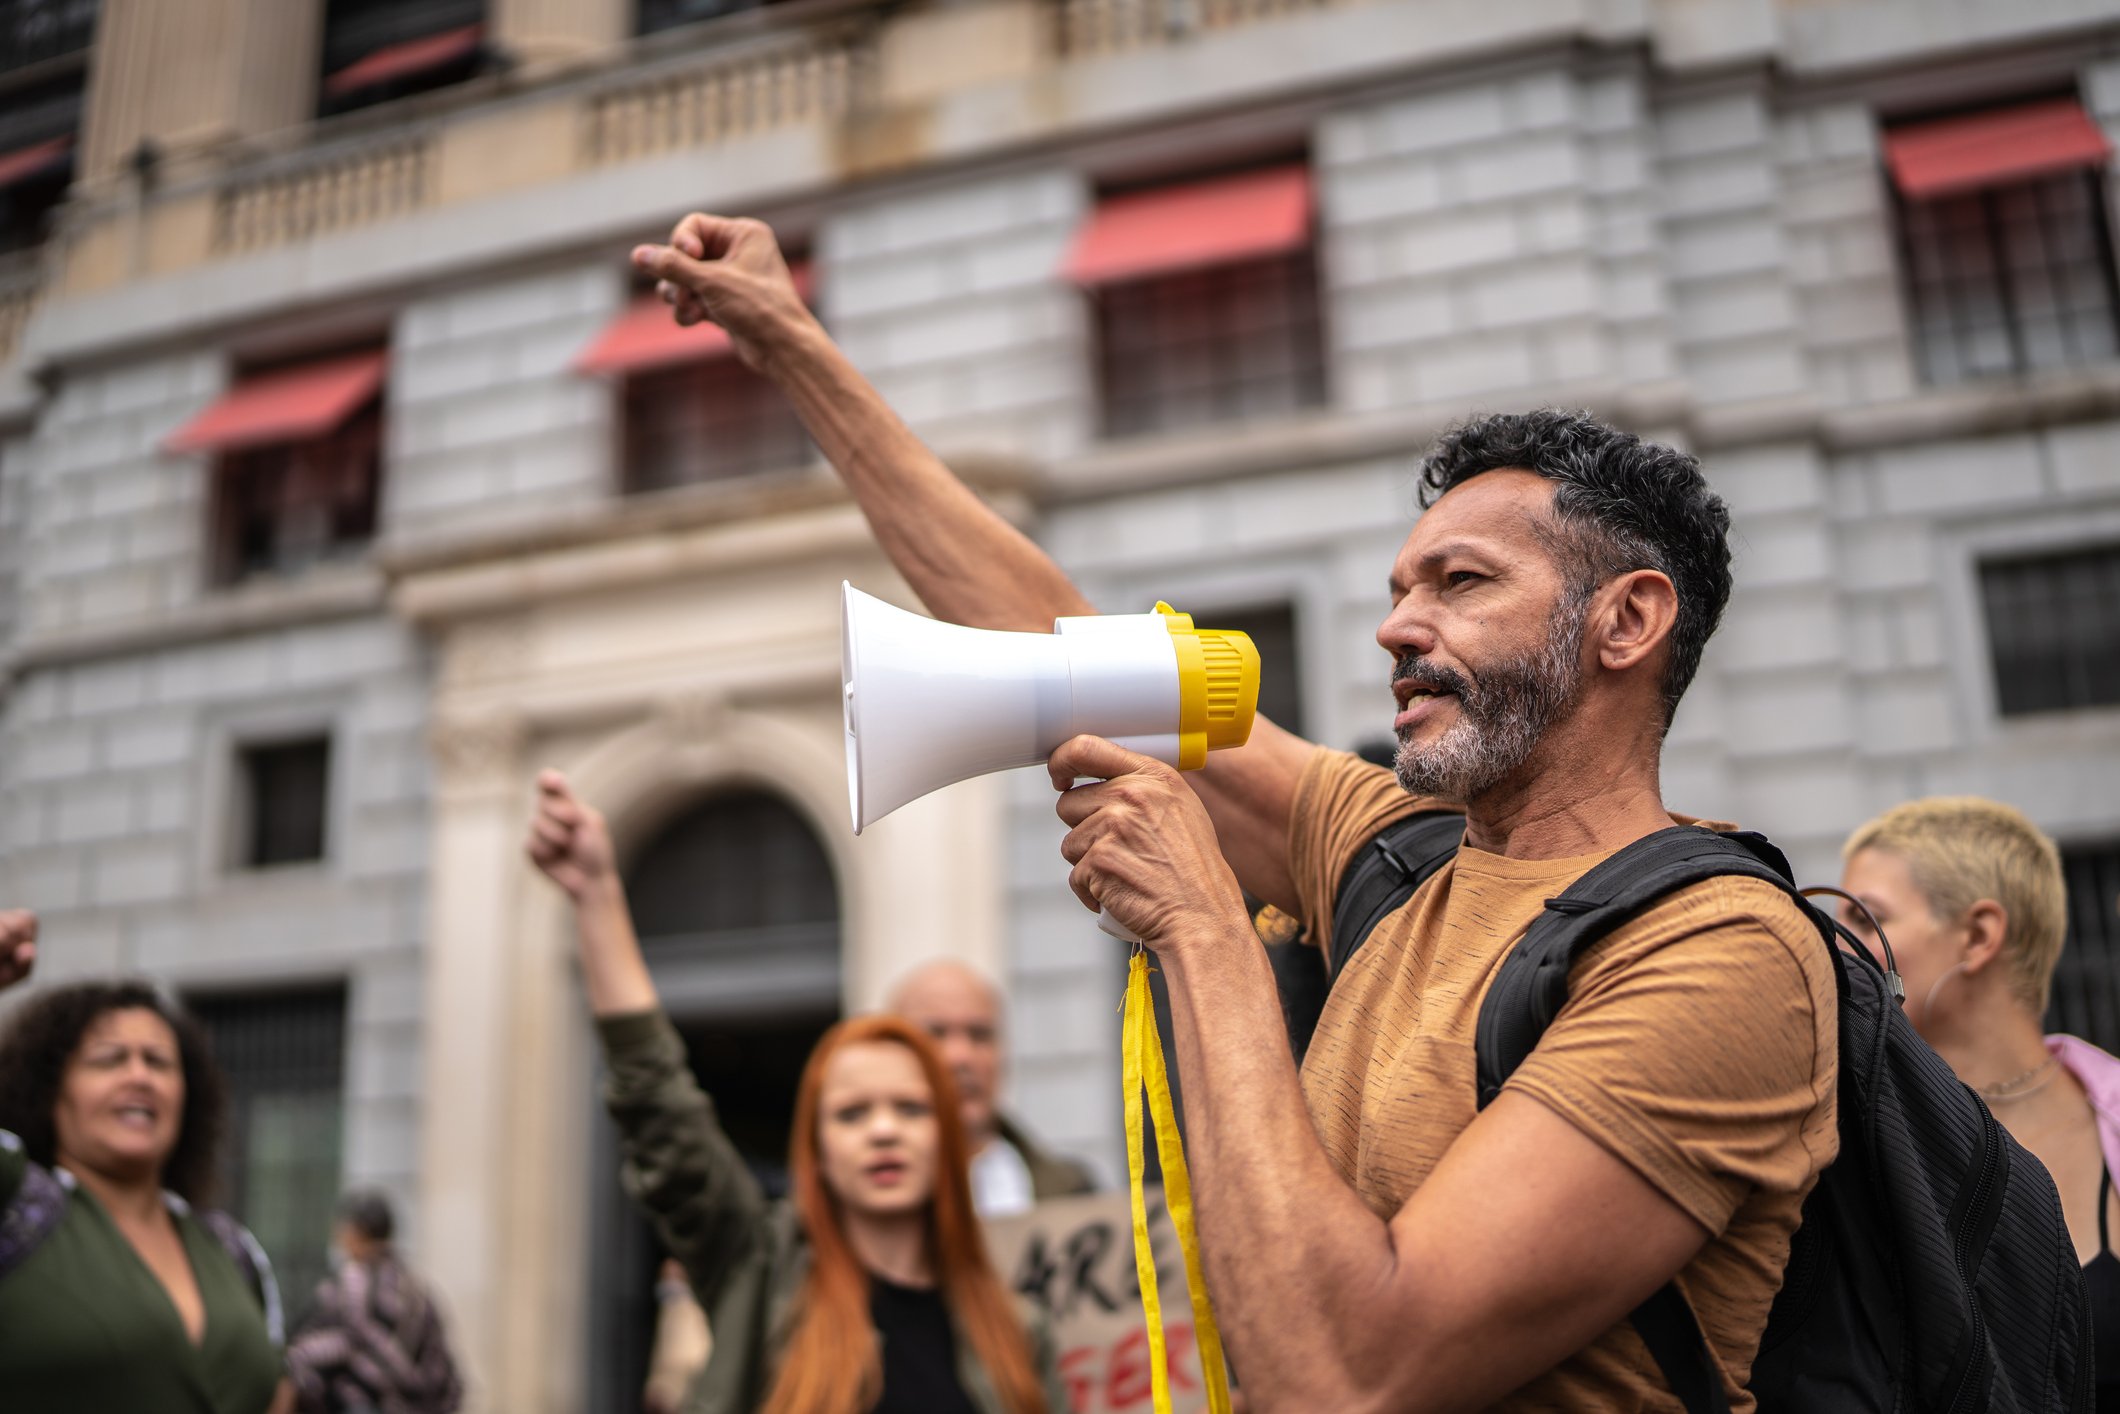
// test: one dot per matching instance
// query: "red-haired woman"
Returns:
(869, 1292)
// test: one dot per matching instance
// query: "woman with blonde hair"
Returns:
(1970, 894)
(869, 1292)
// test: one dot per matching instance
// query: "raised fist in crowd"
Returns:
(729, 270)
(568, 840)
(18, 945)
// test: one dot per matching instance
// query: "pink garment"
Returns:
(2099, 1074)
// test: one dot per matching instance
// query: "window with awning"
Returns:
(2006, 240)
(692, 411)
(1205, 298)
(297, 464)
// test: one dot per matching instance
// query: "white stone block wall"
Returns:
(488, 421)
(950, 298)
(121, 776)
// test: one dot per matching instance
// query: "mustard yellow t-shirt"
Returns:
(1698, 1045)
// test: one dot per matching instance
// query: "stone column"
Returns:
(538, 33)
(481, 803)
(194, 74)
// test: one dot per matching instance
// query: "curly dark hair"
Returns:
(1622, 504)
(42, 1038)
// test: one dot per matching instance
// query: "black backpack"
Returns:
(1932, 1270)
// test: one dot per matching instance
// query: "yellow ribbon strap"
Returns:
(1141, 1051)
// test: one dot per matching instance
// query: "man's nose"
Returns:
(1406, 629)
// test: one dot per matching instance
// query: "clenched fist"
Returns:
(568, 840)
(730, 271)
(18, 946)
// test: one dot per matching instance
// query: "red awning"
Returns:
(286, 405)
(1194, 225)
(33, 161)
(1987, 149)
(647, 337)
(404, 60)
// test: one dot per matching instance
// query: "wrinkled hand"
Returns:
(18, 945)
(1142, 844)
(568, 840)
(730, 271)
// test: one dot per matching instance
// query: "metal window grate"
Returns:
(2086, 998)
(36, 31)
(712, 421)
(286, 508)
(283, 1054)
(2053, 626)
(1206, 346)
(286, 790)
(2011, 279)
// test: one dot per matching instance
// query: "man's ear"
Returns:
(1640, 609)
(1987, 926)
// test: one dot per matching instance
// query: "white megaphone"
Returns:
(928, 704)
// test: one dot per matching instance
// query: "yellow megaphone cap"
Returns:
(1218, 687)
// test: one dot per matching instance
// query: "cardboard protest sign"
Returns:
(1075, 1258)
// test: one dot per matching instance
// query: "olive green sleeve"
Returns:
(677, 1164)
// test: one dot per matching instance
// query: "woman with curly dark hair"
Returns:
(119, 1288)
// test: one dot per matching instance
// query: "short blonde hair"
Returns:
(1961, 849)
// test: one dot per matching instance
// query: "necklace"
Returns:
(2018, 1086)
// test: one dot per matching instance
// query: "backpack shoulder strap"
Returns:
(1395, 862)
(249, 1256)
(32, 1210)
(1532, 984)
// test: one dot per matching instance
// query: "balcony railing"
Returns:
(777, 80)
(1091, 28)
(315, 193)
(21, 282)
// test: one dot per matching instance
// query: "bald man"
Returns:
(962, 1011)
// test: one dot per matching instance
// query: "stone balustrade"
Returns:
(1094, 28)
(802, 75)
(21, 282)
(314, 193)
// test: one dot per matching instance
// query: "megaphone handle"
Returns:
(1112, 927)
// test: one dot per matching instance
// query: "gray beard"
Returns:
(1502, 716)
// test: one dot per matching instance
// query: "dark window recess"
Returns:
(2053, 626)
(38, 31)
(283, 1054)
(286, 791)
(2086, 998)
(738, 879)
(1217, 345)
(283, 509)
(357, 30)
(656, 15)
(1273, 632)
(709, 421)
(2011, 279)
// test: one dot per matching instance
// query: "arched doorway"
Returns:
(738, 914)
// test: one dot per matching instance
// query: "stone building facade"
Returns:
(1694, 216)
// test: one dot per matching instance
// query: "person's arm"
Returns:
(1527, 1242)
(968, 564)
(679, 1165)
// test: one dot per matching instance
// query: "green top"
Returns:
(747, 1257)
(84, 1325)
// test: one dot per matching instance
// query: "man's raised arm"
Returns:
(967, 564)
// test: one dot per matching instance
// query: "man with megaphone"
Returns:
(1375, 1239)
